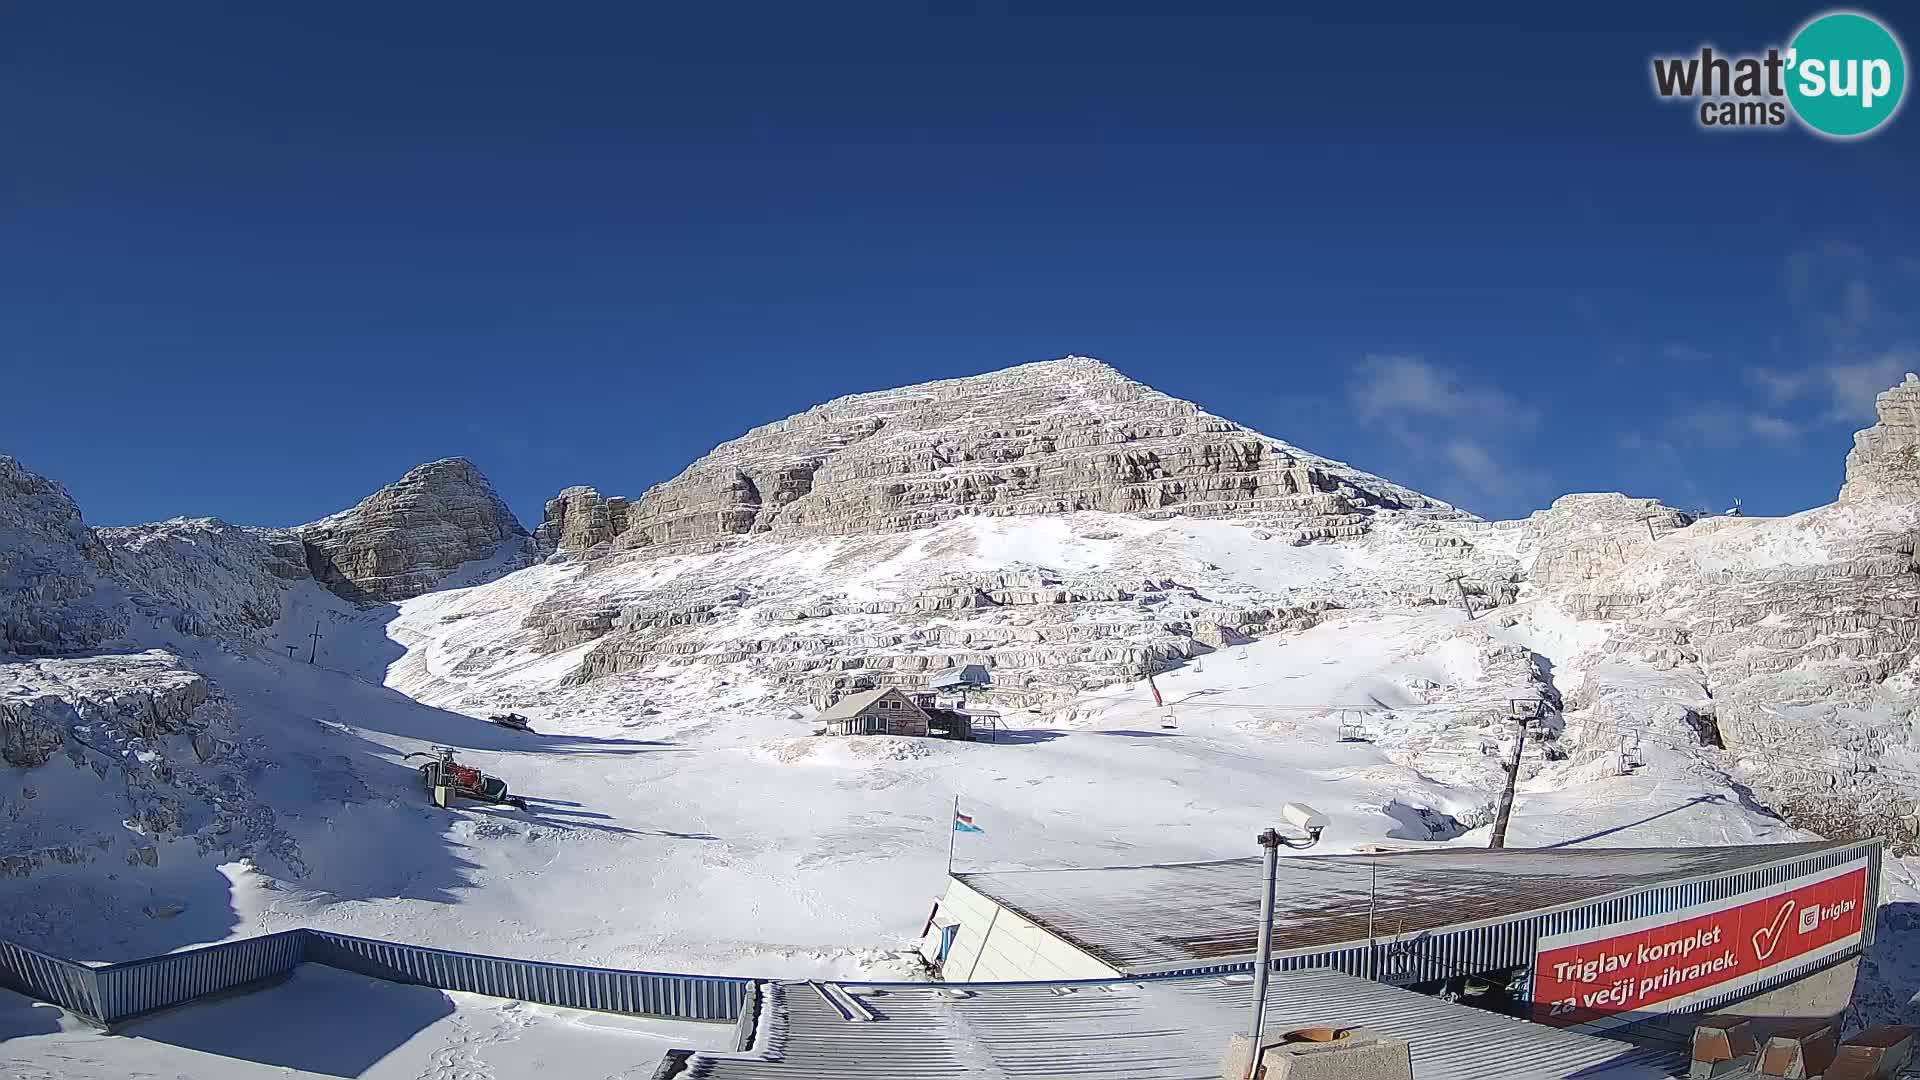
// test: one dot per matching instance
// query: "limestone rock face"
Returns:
(579, 521)
(1582, 537)
(55, 591)
(405, 538)
(1885, 459)
(1792, 640)
(205, 577)
(1039, 439)
(164, 745)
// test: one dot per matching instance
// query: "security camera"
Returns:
(1305, 818)
(1301, 817)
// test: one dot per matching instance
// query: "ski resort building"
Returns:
(1170, 1029)
(886, 711)
(1585, 938)
(960, 679)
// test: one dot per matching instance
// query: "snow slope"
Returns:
(327, 1023)
(683, 817)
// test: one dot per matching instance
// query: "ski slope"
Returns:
(716, 834)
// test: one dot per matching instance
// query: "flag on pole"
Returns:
(1157, 703)
(964, 823)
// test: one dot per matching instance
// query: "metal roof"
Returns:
(970, 675)
(849, 707)
(1171, 1029)
(1140, 919)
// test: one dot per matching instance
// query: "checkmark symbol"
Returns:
(1767, 938)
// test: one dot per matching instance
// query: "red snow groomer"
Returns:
(446, 779)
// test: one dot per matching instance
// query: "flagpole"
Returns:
(952, 831)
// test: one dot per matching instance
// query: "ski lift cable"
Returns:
(1369, 707)
(1766, 756)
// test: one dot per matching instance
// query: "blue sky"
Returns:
(257, 260)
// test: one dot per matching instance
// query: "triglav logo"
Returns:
(1843, 75)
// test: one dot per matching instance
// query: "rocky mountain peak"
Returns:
(1885, 459)
(54, 594)
(1043, 438)
(402, 540)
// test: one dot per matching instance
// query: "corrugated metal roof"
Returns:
(1173, 1029)
(970, 675)
(1145, 918)
(849, 707)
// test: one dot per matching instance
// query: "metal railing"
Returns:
(644, 993)
(137, 987)
(112, 993)
(73, 987)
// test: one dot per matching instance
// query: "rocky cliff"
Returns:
(55, 574)
(1885, 460)
(1790, 640)
(405, 538)
(205, 577)
(1046, 438)
(892, 494)
(152, 763)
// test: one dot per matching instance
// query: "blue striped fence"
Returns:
(73, 987)
(116, 992)
(646, 993)
(158, 982)
(113, 993)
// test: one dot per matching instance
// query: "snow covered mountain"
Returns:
(177, 764)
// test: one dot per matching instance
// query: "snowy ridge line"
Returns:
(111, 994)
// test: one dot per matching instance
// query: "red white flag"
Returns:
(1157, 703)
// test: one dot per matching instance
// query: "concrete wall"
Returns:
(997, 945)
(1820, 996)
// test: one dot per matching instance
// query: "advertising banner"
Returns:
(1626, 971)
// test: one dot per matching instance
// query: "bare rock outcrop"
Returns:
(1801, 634)
(205, 577)
(407, 537)
(578, 521)
(161, 741)
(1885, 460)
(56, 593)
(1046, 438)
(1585, 536)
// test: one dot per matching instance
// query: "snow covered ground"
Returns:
(716, 834)
(682, 817)
(326, 1023)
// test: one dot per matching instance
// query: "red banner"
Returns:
(1590, 975)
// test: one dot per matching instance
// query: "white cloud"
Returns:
(1475, 465)
(1854, 386)
(1639, 443)
(1679, 352)
(1845, 390)
(1772, 428)
(1722, 427)
(1854, 308)
(1779, 386)
(1403, 387)
(1429, 410)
